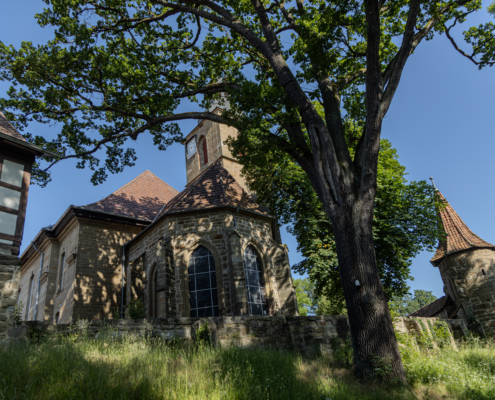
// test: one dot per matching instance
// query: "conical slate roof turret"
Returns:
(458, 236)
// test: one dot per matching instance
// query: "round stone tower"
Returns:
(467, 266)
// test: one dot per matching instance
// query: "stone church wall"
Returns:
(214, 230)
(98, 278)
(469, 278)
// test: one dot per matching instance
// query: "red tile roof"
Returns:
(458, 236)
(8, 129)
(215, 187)
(432, 309)
(141, 198)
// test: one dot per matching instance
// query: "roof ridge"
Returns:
(157, 177)
(186, 191)
(127, 184)
(214, 187)
(443, 298)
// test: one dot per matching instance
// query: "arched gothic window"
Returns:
(203, 295)
(255, 283)
(152, 293)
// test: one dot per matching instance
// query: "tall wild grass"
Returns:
(63, 368)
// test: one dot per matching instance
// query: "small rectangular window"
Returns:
(30, 295)
(12, 173)
(61, 273)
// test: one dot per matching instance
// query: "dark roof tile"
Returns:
(8, 129)
(215, 187)
(431, 309)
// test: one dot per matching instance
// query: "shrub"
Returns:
(136, 309)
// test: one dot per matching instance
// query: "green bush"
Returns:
(136, 309)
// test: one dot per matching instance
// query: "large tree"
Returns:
(117, 68)
(405, 218)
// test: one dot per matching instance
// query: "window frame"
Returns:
(194, 312)
(261, 279)
(30, 296)
(61, 273)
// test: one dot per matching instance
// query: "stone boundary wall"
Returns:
(10, 267)
(306, 334)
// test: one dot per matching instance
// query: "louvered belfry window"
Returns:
(203, 295)
(255, 283)
(205, 152)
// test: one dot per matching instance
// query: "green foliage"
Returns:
(342, 354)
(116, 313)
(471, 318)
(136, 309)
(116, 69)
(309, 303)
(441, 333)
(18, 312)
(203, 336)
(305, 294)
(382, 367)
(491, 8)
(405, 219)
(404, 305)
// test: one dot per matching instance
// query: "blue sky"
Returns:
(440, 122)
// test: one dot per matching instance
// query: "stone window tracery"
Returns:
(203, 294)
(255, 283)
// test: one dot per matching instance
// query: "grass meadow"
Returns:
(64, 368)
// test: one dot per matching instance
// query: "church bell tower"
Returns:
(205, 144)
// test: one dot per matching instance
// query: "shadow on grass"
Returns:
(60, 369)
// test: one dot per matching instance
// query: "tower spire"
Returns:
(458, 236)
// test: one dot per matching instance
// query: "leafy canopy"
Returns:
(116, 69)
(407, 304)
(405, 217)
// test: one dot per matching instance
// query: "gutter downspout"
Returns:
(123, 275)
(39, 281)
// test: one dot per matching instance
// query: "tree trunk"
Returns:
(376, 353)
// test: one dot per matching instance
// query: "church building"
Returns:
(209, 250)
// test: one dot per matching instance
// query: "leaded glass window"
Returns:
(203, 295)
(254, 282)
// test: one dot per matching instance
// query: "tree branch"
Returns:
(151, 122)
(469, 57)
(404, 53)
